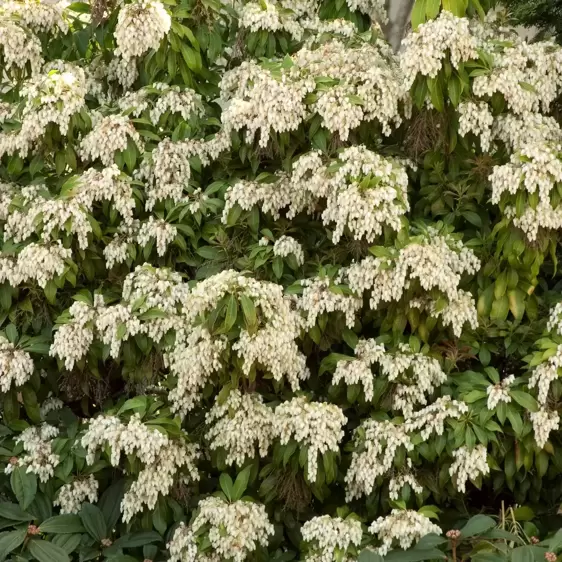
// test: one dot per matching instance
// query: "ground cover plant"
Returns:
(270, 291)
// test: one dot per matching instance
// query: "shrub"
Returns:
(273, 292)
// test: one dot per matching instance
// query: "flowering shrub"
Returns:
(270, 291)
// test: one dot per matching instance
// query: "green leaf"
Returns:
(517, 299)
(241, 483)
(522, 554)
(432, 8)
(477, 525)
(63, 524)
(110, 503)
(419, 12)
(45, 551)
(231, 313)
(68, 543)
(79, 7)
(249, 310)
(523, 513)
(454, 88)
(24, 486)
(14, 512)
(10, 540)
(134, 540)
(414, 555)
(93, 521)
(524, 399)
(226, 485)
(436, 93)
(368, 555)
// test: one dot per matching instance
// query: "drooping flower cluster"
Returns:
(240, 425)
(50, 97)
(432, 418)
(402, 528)
(364, 192)
(16, 365)
(234, 531)
(325, 535)
(468, 464)
(431, 260)
(402, 479)
(286, 246)
(321, 295)
(375, 447)
(141, 25)
(499, 392)
(544, 422)
(358, 370)
(425, 50)
(163, 459)
(39, 457)
(316, 425)
(416, 375)
(109, 134)
(35, 262)
(71, 496)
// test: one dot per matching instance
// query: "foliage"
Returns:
(271, 292)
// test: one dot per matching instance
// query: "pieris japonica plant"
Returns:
(270, 291)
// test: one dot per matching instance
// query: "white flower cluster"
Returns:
(46, 217)
(186, 102)
(528, 75)
(327, 535)
(544, 422)
(285, 246)
(476, 118)
(109, 134)
(358, 370)
(536, 168)
(162, 232)
(19, 45)
(71, 496)
(255, 100)
(162, 458)
(321, 295)
(433, 260)
(425, 50)
(37, 262)
(239, 425)
(499, 392)
(376, 444)
(468, 464)
(402, 528)
(375, 9)
(39, 458)
(364, 192)
(38, 15)
(72, 340)
(367, 86)
(316, 425)
(53, 96)
(166, 169)
(265, 15)
(193, 360)
(50, 404)
(234, 531)
(404, 478)
(282, 191)
(432, 418)
(141, 25)
(416, 375)
(16, 365)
